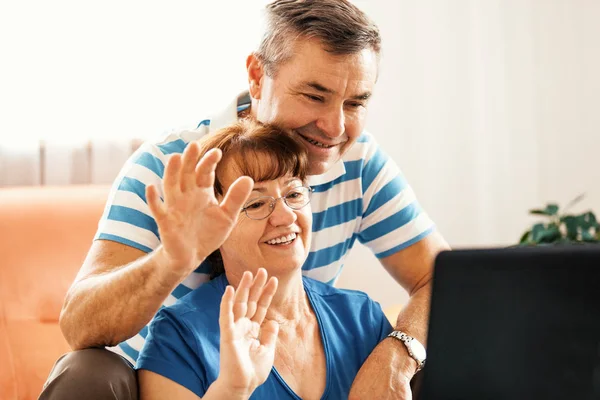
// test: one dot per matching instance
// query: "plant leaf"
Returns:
(571, 223)
(525, 237)
(550, 210)
(537, 212)
(545, 234)
(588, 237)
(587, 220)
(537, 232)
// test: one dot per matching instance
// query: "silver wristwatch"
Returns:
(415, 349)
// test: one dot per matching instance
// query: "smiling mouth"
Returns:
(316, 143)
(282, 240)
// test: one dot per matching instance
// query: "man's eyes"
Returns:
(313, 97)
(322, 100)
(355, 105)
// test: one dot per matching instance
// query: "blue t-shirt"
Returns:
(183, 339)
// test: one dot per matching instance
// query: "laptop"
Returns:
(518, 323)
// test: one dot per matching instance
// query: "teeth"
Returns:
(283, 239)
(317, 143)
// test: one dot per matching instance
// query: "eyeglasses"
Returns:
(262, 207)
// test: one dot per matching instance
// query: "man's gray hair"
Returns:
(340, 26)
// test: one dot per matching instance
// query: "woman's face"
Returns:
(279, 243)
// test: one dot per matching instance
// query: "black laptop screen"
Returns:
(520, 323)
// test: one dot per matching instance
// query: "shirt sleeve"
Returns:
(127, 218)
(170, 351)
(392, 217)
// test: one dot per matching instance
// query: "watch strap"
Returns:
(406, 339)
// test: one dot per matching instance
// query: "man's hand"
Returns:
(386, 373)
(191, 221)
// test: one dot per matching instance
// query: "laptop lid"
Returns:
(519, 323)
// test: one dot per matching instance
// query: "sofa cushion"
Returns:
(8, 379)
(45, 233)
(35, 347)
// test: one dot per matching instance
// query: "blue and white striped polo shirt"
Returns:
(363, 197)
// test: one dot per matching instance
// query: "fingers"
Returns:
(265, 300)
(240, 302)
(205, 170)
(237, 195)
(171, 185)
(226, 314)
(187, 177)
(255, 291)
(157, 208)
(268, 334)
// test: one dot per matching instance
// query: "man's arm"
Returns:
(386, 374)
(116, 293)
(119, 289)
(412, 268)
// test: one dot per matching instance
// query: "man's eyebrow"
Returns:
(362, 96)
(320, 88)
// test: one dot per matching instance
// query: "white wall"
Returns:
(77, 69)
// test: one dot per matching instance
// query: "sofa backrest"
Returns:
(45, 233)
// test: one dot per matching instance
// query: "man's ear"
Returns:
(256, 73)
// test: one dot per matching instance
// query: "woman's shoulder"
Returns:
(344, 310)
(329, 293)
(202, 302)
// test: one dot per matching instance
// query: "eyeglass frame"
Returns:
(274, 201)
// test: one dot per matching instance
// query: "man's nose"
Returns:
(332, 122)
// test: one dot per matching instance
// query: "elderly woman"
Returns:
(279, 337)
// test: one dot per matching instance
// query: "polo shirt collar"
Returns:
(229, 115)
(338, 169)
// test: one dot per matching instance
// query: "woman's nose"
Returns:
(282, 214)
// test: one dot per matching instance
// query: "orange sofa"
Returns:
(45, 233)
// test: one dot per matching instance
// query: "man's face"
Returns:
(320, 97)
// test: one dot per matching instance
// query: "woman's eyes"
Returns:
(255, 205)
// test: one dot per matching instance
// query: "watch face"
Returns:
(418, 350)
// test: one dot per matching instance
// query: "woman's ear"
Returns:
(256, 72)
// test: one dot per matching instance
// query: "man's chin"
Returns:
(318, 167)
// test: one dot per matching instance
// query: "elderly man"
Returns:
(312, 75)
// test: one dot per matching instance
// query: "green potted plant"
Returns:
(561, 227)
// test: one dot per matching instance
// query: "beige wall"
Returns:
(490, 108)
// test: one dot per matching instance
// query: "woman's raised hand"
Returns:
(191, 221)
(247, 340)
